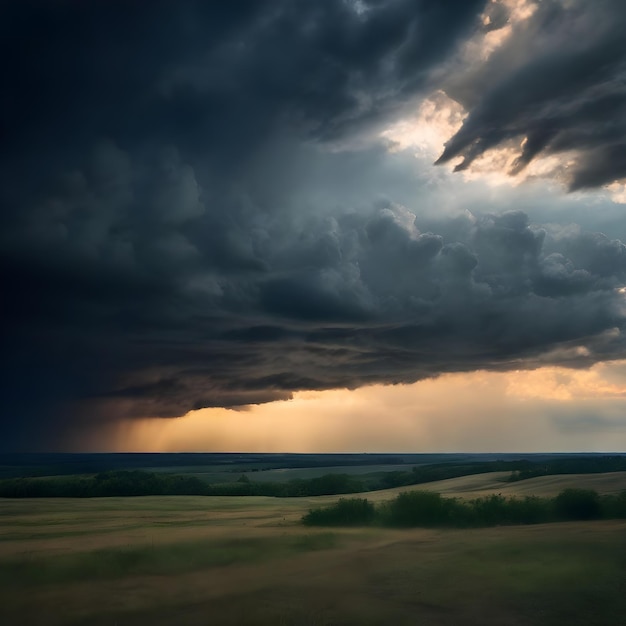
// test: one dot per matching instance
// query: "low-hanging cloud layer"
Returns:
(198, 209)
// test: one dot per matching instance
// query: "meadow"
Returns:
(249, 560)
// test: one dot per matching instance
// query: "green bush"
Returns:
(424, 508)
(346, 512)
(529, 510)
(497, 510)
(578, 504)
(614, 506)
(490, 510)
(420, 508)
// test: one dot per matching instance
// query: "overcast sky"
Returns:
(299, 225)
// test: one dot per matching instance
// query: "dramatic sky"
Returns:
(350, 225)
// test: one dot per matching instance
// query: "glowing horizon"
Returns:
(519, 411)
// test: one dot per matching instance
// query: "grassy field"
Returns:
(234, 560)
(495, 482)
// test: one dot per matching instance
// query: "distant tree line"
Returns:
(571, 465)
(140, 483)
(60, 464)
(115, 483)
(428, 509)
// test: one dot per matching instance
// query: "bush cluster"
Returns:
(346, 512)
(428, 509)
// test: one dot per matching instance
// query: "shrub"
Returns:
(578, 504)
(529, 510)
(614, 506)
(421, 508)
(424, 508)
(346, 512)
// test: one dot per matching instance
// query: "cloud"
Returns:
(555, 85)
(198, 212)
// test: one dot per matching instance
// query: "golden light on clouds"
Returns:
(539, 410)
(438, 118)
(484, 44)
(618, 191)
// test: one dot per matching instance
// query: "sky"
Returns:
(302, 226)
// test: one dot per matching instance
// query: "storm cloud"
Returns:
(558, 85)
(196, 210)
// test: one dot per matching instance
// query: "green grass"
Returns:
(164, 559)
(246, 561)
(551, 579)
(566, 574)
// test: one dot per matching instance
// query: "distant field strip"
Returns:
(494, 482)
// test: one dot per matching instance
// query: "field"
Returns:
(224, 474)
(247, 560)
(494, 482)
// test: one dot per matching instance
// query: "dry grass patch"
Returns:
(478, 485)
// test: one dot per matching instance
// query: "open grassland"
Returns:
(247, 560)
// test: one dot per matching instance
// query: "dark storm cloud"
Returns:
(179, 229)
(559, 83)
(215, 78)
